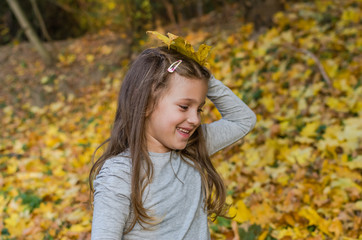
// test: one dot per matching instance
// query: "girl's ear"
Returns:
(149, 110)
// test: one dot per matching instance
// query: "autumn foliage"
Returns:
(297, 175)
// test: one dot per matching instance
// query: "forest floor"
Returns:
(87, 60)
(296, 175)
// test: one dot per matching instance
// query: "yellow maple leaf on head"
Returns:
(184, 47)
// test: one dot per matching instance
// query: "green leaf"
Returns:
(252, 234)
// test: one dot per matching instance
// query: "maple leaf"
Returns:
(241, 213)
(184, 47)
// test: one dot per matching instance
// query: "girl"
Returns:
(155, 179)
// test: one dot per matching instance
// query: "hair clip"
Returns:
(173, 66)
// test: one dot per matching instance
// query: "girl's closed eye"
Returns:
(183, 107)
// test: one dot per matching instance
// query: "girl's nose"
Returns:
(194, 118)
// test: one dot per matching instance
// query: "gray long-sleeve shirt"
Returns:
(175, 194)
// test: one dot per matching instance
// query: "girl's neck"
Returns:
(159, 154)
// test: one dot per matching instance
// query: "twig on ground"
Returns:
(316, 60)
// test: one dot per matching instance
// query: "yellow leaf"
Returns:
(276, 75)
(224, 169)
(354, 101)
(287, 36)
(184, 47)
(48, 88)
(56, 106)
(305, 140)
(302, 104)
(337, 104)
(349, 137)
(46, 210)
(314, 219)
(261, 213)
(295, 93)
(90, 58)
(203, 52)
(76, 216)
(299, 155)
(263, 235)
(248, 45)
(12, 167)
(249, 68)
(105, 50)
(310, 129)
(351, 15)
(345, 183)
(252, 158)
(241, 211)
(291, 233)
(167, 40)
(332, 132)
(78, 228)
(58, 171)
(231, 40)
(358, 205)
(284, 126)
(355, 163)
(229, 200)
(280, 19)
(304, 24)
(268, 102)
(67, 59)
(15, 224)
(260, 51)
(8, 110)
(3, 202)
(336, 227)
(283, 179)
(247, 29)
(284, 233)
(331, 67)
(111, 5)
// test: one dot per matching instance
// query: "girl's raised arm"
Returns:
(111, 199)
(237, 118)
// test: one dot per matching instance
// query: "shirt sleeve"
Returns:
(237, 118)
(111, 199)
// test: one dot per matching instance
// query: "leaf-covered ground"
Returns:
(297, 175)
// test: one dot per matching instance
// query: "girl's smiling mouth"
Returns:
(184, 132)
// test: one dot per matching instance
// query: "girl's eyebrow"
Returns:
(193, 101)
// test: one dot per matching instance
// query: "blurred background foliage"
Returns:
(297, 64)
(73, 18)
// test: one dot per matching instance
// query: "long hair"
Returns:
(141, 89)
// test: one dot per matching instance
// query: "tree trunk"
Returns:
(199, 6)
(261, 12)
(169, 11)
(178, 9)
(29, 31)
(40, 20)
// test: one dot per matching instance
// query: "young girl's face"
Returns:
(177, 114)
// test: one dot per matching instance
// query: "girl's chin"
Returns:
(179, 147)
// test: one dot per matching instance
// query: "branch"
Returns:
(41, 20)
(42, 24)
(64, 6)
(29, 31)
(316, 60)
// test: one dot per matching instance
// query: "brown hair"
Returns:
(142, 86)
